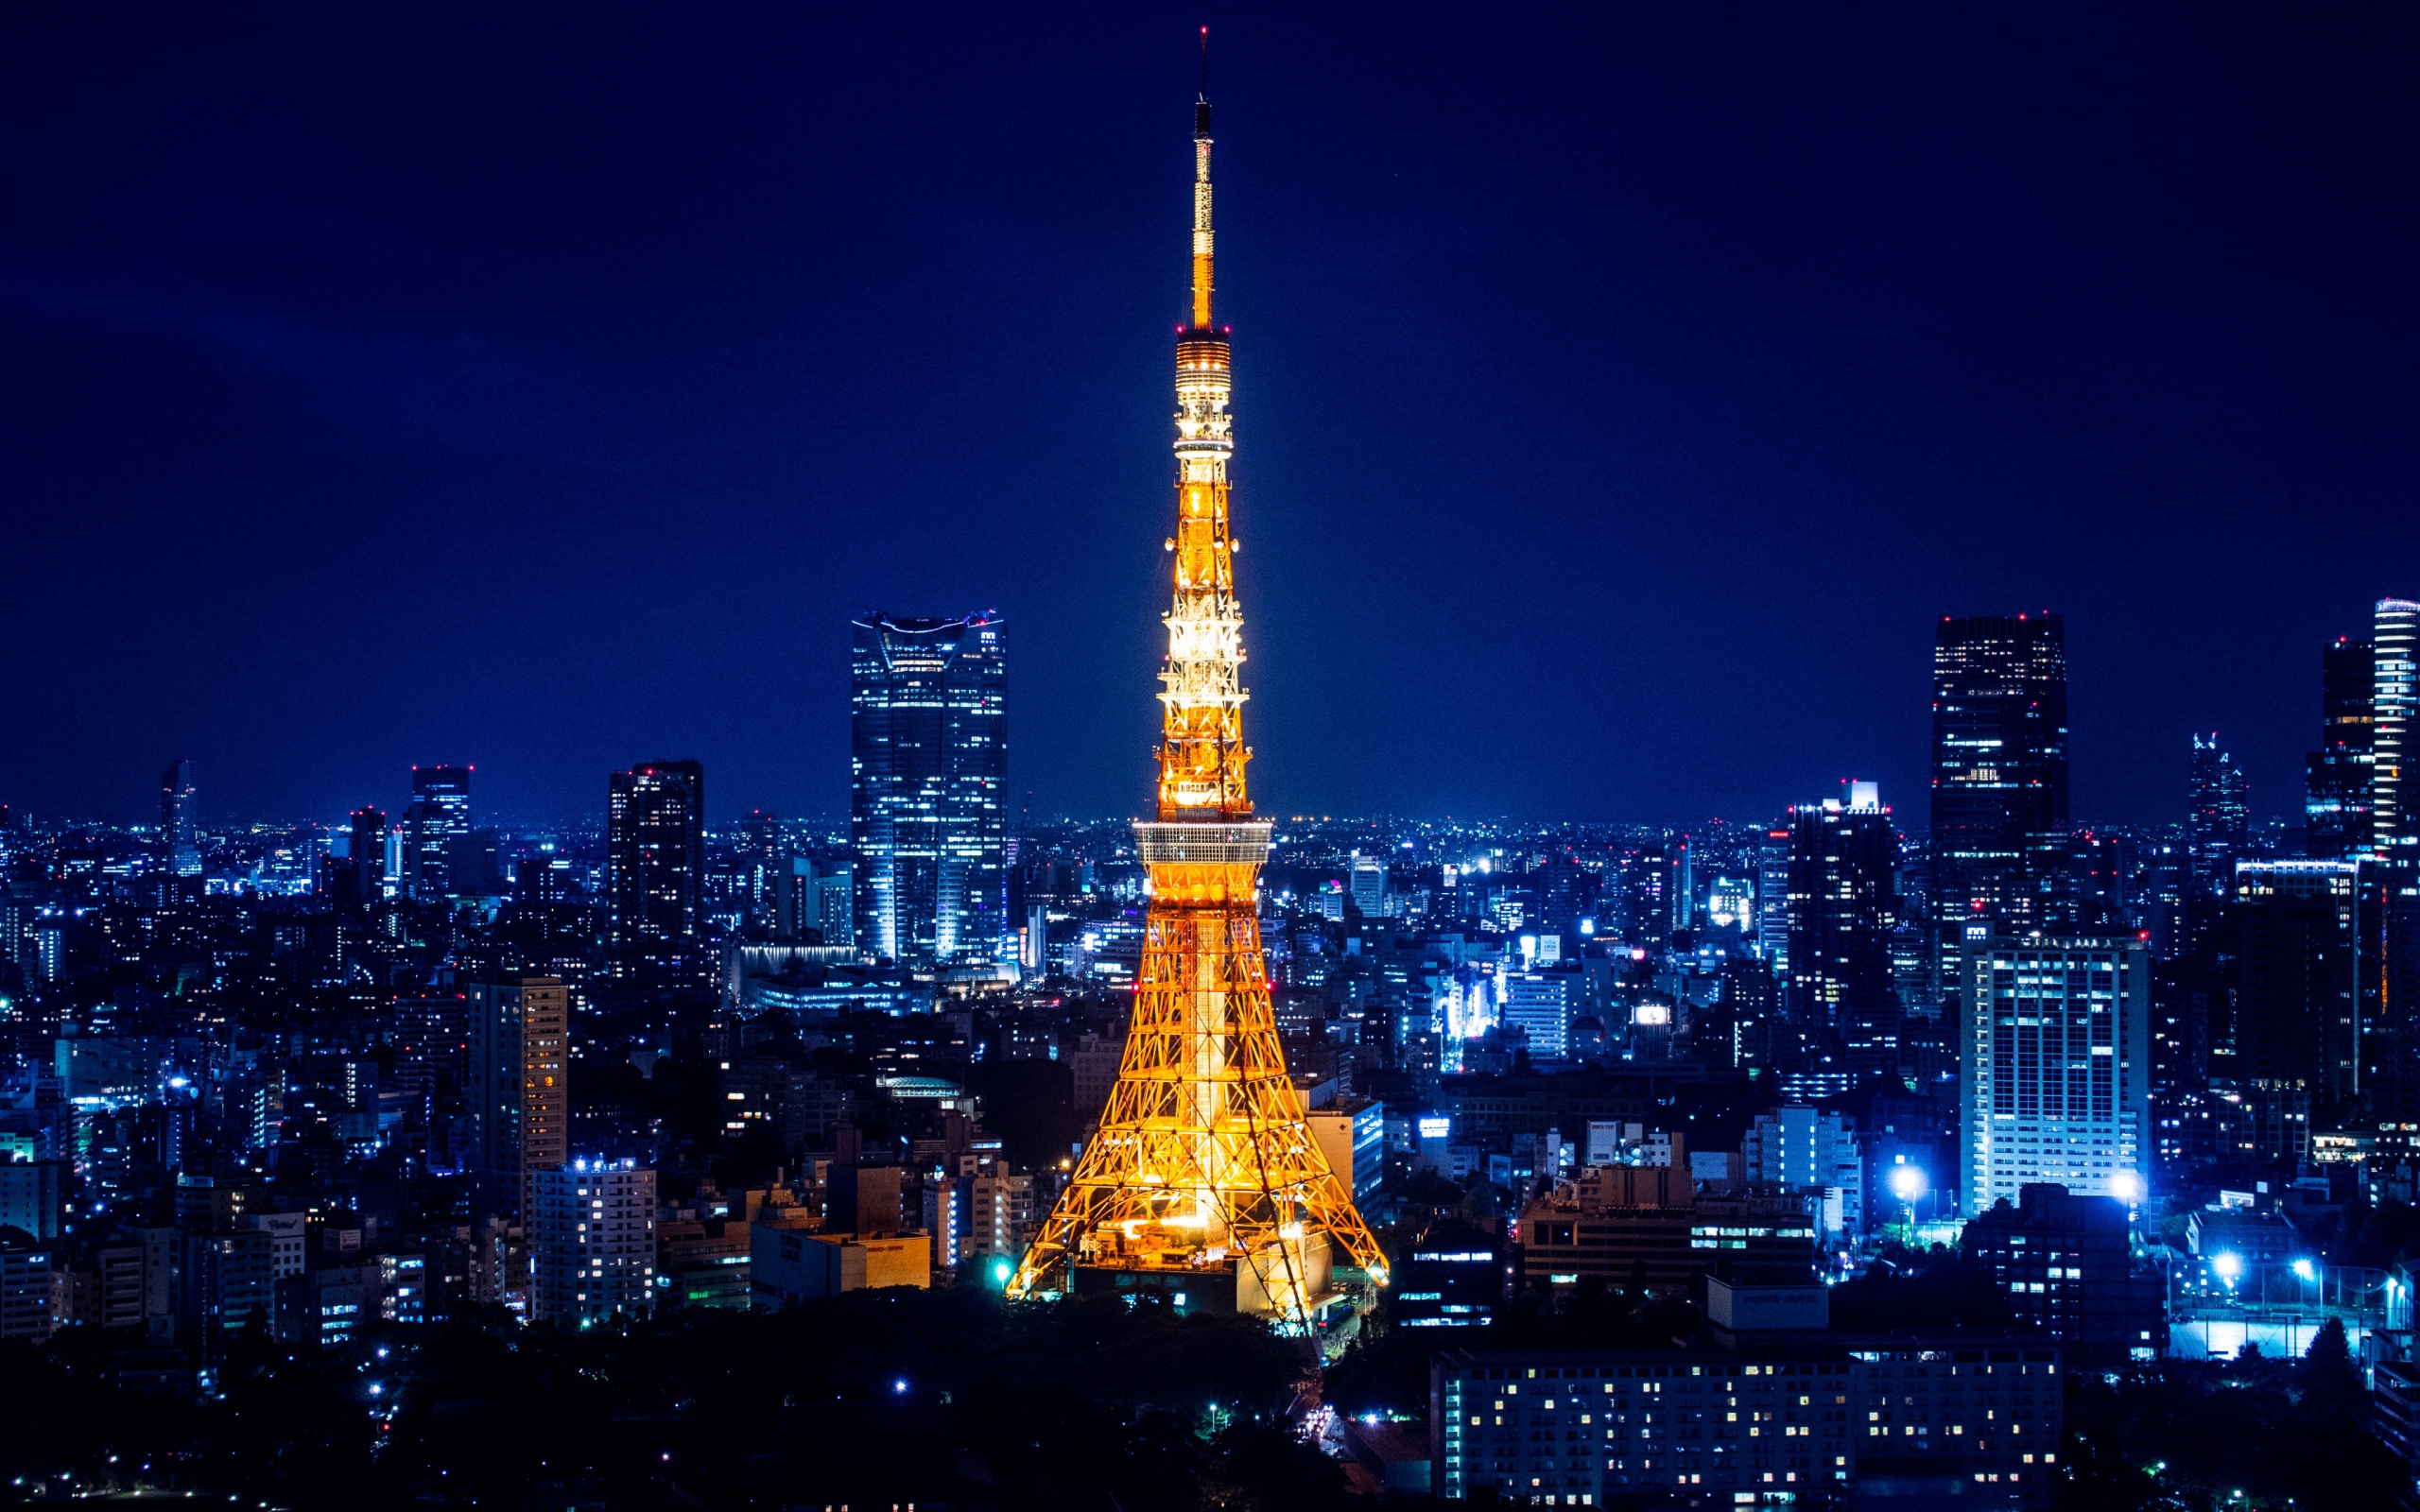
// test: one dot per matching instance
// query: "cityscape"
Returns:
(1885, 1146)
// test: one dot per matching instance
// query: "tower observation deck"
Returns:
(1203, 1182)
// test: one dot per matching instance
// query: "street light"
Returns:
(2306, 1270)
(1908, 1183)
(2227, 1267)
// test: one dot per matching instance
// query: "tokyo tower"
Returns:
(1205, 1182)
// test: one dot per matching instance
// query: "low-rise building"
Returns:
(1453, 1276)
(702, 1263)
(796, 1264)
(1806, 1148)
(2068, 1266)
(1973, 1417)
(1649, 1227)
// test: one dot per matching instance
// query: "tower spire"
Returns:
(1201, 237)
(1205, 1176)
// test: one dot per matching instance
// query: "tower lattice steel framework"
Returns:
(1204, 1164)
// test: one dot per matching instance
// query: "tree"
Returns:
(2327, 1378)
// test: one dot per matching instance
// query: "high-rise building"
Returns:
(2218, 816)
(655, 846)
(1369, 884)
(440, 813)
(1999, 774)
(368, 848)
(1844, 907)
(180, 816)
(2292, 948)
(1204, 1172)
(1648, 897)
(2395, 702)
(928, 771)
(1542, 1005)
(2336, 803)
(2057, 1066)
(592, 1243)
(519, 1094)
(1773, 898)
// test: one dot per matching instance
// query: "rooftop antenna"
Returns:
(1201, 102)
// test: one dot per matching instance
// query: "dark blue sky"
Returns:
(1621, 390)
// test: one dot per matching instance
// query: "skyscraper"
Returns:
(519, 1098)
(2336, 803)
(1773, 898)
(2294, 951)
(2394, 696)
(1843, 904)
(2218, 816)
(368, 850)
(1999, 773)
(180, 839)
(439, 815)
(1205, 1173)
(2057, 1066)
(655, 846)
(928, 772)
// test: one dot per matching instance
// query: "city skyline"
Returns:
(1667, 394)
(1880, 1135)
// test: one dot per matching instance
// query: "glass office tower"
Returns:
(2000, 774)
(655, 851)
(439, 815)
(928, 772)
(180, 837)
(1843, 906)
(2336, 803)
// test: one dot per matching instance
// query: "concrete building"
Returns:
(795, 1264)
(1453, 1276)
(518, 1094)
(1809, 1149)
(33, 1196)
(2067, 1265)
(1005, 1209)
(593, 1243)
(702, 1263)
(1647, 1225)
(1541, 1004)
(26, 1310)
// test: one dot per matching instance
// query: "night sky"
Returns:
(1621, 391)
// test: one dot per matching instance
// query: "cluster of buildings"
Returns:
(308, 1077)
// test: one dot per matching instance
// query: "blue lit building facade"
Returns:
(929, 773)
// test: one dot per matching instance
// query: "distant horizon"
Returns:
(724, 822)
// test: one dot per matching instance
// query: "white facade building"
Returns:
(1808, 1148)
(1540, 1004)
(2057, 1066)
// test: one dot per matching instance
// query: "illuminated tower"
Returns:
(1205, 1182)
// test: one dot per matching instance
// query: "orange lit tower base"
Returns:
(1203, 1178)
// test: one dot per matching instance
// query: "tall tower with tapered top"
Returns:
(1204, 1183)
